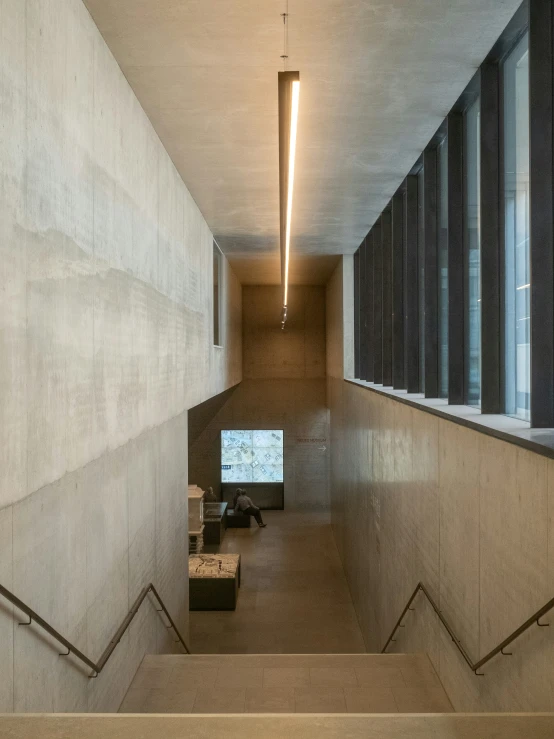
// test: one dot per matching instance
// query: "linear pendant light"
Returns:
(289, 92)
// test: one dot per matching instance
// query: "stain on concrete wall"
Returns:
(105, 342)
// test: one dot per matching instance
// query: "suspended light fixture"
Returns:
(289, 92)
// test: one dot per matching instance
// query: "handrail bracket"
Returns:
(500, 649)
(96, 667)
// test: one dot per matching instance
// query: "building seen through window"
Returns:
(473, 247)
(517, 288)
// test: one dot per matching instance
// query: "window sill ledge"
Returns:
(512, 430)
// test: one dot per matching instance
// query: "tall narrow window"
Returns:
(517, 289)
(421, 275)
(357, 314)
(473, 254)
(443, 269)
(217, 294)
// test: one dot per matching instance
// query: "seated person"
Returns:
(241, 502)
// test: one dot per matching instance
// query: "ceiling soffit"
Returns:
(377, 80)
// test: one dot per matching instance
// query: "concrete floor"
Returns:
(293, 599)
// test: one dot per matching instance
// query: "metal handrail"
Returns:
(475, 666)
(96, 667)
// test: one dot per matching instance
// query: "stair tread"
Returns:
(289, 660)
(286, 683)
(455, 726)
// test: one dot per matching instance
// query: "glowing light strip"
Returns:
(292, 154)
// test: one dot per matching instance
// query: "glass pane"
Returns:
(473, 236)
(216, 283)
(421, 277)
(516, 205)
(443, 269)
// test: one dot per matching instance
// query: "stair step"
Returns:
(286, 683)
(289, 660)
(454, 726)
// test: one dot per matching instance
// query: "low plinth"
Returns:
(214, 580)
(215, 519)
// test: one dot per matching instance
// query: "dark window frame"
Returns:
(541, 226)
(473, 95)
(431, 218)
(443, 310)
(535, 17)
(357, 314)
(377, 303)
(369, 318)
(412, 280)
(363, 311)
(420, 174)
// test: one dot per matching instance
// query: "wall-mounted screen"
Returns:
(252, 456)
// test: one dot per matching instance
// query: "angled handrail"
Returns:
(499, 649)
(96, 667)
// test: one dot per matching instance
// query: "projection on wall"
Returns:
(252, 456)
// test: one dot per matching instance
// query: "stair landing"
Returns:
(303, 683)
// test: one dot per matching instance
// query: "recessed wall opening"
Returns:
(217, 282)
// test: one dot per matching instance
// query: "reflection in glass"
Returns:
(443, 269)
(516, 205)
(473, 242)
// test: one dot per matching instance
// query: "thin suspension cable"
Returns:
(285, 54)
(286, 34)
(285, 41)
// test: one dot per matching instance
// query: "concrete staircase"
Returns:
(359, 696)
(287, 683)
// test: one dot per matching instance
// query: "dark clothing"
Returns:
(251, 511)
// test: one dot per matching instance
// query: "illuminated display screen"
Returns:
(252, 456)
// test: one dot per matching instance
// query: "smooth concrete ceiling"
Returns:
(265, 269)
(377, 78)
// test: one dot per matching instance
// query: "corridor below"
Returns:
(293, 644)
(293, 599)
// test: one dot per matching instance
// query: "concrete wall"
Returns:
(105, 342)
(416, 497)
(339, 313)
(284, 387)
